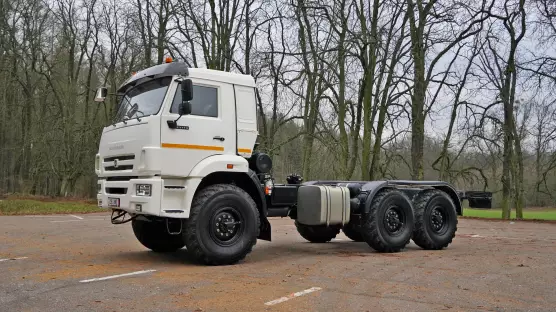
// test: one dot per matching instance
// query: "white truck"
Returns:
(179, 162)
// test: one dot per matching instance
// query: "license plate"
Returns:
(113, 202)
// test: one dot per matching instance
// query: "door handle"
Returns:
(219, 138)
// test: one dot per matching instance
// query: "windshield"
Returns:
(143, 100)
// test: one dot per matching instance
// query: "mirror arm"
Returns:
(173, 124)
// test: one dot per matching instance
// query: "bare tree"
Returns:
(424, 19)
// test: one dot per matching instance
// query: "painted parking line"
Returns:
(80, 218)
(505, 237)
(11, 259)
(294, 295)
(116, 276)
(84, 220)
(50, 216)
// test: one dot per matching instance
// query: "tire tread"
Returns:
(369, 228)
(420, 236)
(192, 242)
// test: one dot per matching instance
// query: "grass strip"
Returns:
(537, 214)
(12, 207)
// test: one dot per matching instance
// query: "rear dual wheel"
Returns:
(435, 220)
(389, 224)
(431, 222)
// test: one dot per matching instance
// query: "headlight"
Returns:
(143, 190)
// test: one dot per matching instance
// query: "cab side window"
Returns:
(204, 103)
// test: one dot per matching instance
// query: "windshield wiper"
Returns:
(121, 111)
(134, 110)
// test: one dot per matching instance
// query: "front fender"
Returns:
(219, 163)
(231, 169)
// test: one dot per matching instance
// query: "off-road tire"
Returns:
(154, 235)
(353, 232)
(375, 230)
(317, 233)
(200, 228)
(424, 234)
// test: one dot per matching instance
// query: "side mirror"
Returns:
(101, 94)
(186, 90)
(184, 108)
(186, 96)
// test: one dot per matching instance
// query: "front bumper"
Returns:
(122, 195)
(170, 198)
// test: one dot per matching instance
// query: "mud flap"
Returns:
(265, 233)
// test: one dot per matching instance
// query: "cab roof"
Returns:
(180, 68)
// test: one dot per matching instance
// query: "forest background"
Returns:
(461, 91)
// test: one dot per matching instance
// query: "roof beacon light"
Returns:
(168, 59)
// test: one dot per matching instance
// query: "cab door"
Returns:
(209, 130)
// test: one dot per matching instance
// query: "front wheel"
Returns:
(389, 224)
(435, 220)
(223, 225)
(154, 235)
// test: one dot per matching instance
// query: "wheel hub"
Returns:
(225, 225)
(394, 220)
(437, 220)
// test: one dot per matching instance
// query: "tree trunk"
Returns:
(369, 82)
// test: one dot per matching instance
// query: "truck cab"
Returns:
(152, 157)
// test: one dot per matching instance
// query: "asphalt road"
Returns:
(84, 263)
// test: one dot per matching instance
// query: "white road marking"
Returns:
(51, 216)
(76, 217)
(506, 237)
(116, 276)
(62, 221)
(291, 296)
(9, 259)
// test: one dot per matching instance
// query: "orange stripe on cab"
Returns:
(197, 147)
(244, 150)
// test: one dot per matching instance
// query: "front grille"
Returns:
(120, 158)
(119, 163)
(122, 167)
